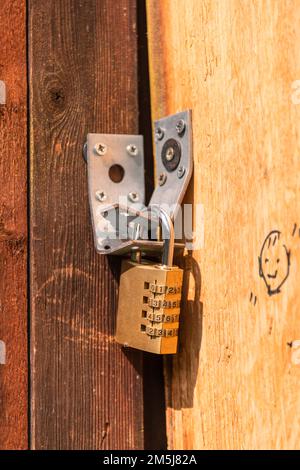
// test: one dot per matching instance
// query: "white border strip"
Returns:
(2, 352)
(2, 92)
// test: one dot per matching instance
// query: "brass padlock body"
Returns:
(149, 307)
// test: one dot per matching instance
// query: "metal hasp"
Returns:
(116, 183)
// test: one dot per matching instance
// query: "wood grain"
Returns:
(86, 391)
(235, 382)
(13, 226)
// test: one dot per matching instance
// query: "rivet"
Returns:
(159, 133)
(132, 150)
(180, 171)
(133, 196)
(162, 179)
(100, 149)
(101, 196)
(170, 154)
(180, 127)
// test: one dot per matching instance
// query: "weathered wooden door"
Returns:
(235, 63)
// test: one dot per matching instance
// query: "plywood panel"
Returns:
(235, 382)
(86, 391)
(13, 226)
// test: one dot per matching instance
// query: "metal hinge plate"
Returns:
(115, 177)
(2, 92)
(173, 160)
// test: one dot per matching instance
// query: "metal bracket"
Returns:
(115, 176)
(116, 182)
(174, 160)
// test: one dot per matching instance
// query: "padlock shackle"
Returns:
(167, 234)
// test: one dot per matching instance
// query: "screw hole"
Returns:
(107, 247)
(116, 173)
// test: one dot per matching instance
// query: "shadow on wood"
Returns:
(183, 368)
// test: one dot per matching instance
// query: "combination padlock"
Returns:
(149, 299)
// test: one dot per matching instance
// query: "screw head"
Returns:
(159, 133)
(100, 149)
(162, 179)
(133, 196)
(170, 153)
(132, 150)
(101, 196)
(180, 127)
(180, 171)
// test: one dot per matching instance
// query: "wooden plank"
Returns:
(235, 382)
(13, 227)
(86, 391)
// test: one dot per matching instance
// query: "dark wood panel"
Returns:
(13, 227)
(86, 392)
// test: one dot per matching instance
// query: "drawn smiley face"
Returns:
(274, 262)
